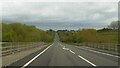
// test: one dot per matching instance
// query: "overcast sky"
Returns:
(61, 15)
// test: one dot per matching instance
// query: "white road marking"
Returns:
(60, 44)
(79, 56)
(72, 51)
(36, 56)
(65, 48)
(99, 52)
(87, 60)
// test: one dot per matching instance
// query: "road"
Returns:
(59, 54)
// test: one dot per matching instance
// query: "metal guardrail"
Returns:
(13, 47)
(102, 46)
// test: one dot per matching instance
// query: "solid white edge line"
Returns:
(99, 52)
(87, 60)
(36, 57)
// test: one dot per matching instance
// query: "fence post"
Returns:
(12, 47)
(118, 49)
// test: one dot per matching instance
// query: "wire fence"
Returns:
(8, 48)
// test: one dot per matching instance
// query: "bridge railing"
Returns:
(8, 48)
(103, 46)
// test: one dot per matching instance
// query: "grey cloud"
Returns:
(59, 12)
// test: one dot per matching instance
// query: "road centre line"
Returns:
(72, 51)
(87, 60)
(36, 56)
(80, 56)
(66, 48)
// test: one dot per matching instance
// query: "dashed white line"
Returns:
(79, 56)
(65, 48)
(36, 56)
(72, 51)
(87, 60)
(60, 44)
(68, 49)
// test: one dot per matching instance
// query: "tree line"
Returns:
(105, 35)
(17, 32)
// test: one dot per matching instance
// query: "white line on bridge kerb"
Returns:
(99, 52)
(36, 56)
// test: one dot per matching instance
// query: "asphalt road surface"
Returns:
(59, 54)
